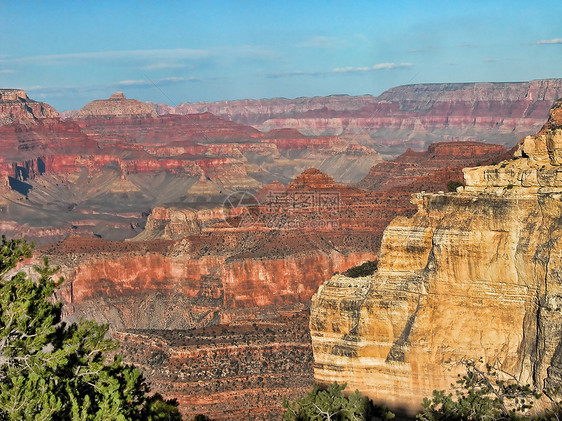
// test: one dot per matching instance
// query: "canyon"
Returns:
(196, 288)
(201, 240)
(101, 172)
(473, 274)
(214, 307)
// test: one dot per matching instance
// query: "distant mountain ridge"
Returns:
(404, 116)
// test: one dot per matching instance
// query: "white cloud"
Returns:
(320, 42)
(7, 72)
(549, 41)
(379, 66)
(293, 73)
(138, 55)
(147, 82)
(163, 66)
(61, 91)
(150, 60)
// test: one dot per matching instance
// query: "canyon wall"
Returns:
(211, 263)
(473, 274)
(101, 172)
(402, 117)
(213, 303)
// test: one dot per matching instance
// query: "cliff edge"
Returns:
(473, 274)
(17, 108)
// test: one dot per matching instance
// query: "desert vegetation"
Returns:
(53, 370)
(483, 393)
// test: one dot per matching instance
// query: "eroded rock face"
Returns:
(227, 372)
(447, 157)
(16, 107)
(116, 106)
(102, 171)
(473, 274)
(410, 116)
(213, 303)
(210, 263)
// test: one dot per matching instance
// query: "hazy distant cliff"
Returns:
(404, 116)
(472, 274)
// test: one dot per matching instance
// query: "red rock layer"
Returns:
(16, 107)
(250, 266)
(166, 130)
(115, 160)
(405, 116)
(444, 157)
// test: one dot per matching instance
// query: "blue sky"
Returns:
(70, 52)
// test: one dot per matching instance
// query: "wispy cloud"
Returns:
(176, 54)
(147, 82)
(549, 41)
(320, 42)
(252, 52)
(61, 91)
(278, 75)
(7, 71)
(380, 66)
(468, 45)
(163, 66)
(150, 60)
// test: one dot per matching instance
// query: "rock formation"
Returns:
(116, 106)
(102, 171)
(473, 274)
(16, 107)
(405, 116)
(227, 372)
(446, 157)
(215, 273)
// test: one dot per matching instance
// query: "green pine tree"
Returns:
(331, 404)
(53, 371)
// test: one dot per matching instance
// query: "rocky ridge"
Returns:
(102, 171)
(473, 274)
(16, 107)
(405, 116)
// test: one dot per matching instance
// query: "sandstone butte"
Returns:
(473, 274)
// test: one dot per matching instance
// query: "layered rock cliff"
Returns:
(405, 116)
(473, 274)
(117, 105)
(218, 298)
(16, 107)
(103, 170)
(447, 157)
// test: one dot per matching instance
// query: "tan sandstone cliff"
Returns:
(477, 273)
